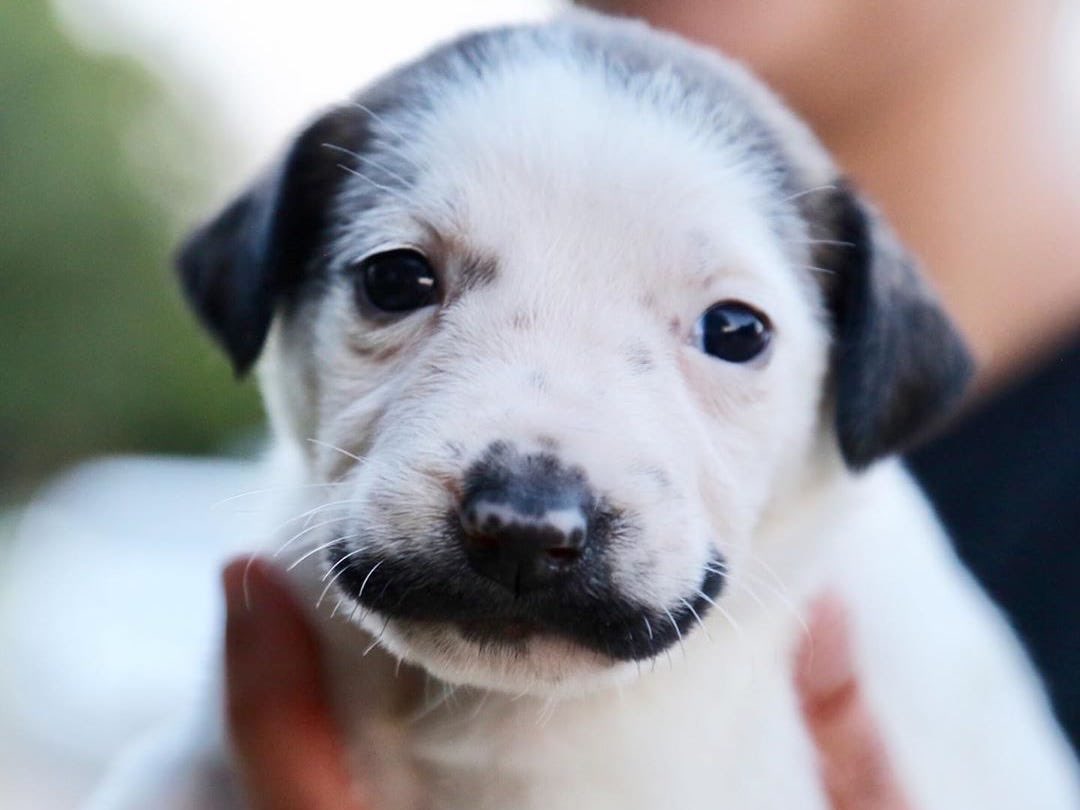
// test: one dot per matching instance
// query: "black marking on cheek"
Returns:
(639, 356)
(587, 608)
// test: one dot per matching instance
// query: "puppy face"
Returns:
(562, 303)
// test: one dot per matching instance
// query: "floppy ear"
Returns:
(240, 265)
(899, 365)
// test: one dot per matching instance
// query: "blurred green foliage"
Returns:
(97, 351)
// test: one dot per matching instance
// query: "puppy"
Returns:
(594, 366)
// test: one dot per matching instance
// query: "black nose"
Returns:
(525, 525)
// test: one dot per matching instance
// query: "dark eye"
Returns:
(398, 281)
(733, 331)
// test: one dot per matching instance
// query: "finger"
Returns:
(289, 751)
(855, 763)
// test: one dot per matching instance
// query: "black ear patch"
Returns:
(237, 268)
(899, 365)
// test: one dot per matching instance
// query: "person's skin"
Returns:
(954, 118)
(289, 752)
(291, 755)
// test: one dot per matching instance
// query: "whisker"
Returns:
(781, 597)
(391, 130)
(430, 705)
(805, 192)
(546, 712)
(363, 584)
(678, 632)
(329, 446)
(730, 620)
(244, 582)
(368, 161)
(697, 618)
(322, 507)
(307, 530)
(385, 189)
(741, 583)
(343, 558)
(317, 549)
(268, 490)
(378, 638)
(706, 597)
(480, 704)
(835, 242)
(308, 513)
(352, 613)
(330, 584)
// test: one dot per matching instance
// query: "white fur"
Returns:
(615, 219)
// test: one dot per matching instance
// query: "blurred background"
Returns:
(129, 453)
(122, 429)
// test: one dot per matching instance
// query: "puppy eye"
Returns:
(398, 281)
(732, 331)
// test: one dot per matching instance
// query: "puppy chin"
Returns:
(537, 665)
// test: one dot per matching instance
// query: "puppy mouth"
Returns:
(588, 611)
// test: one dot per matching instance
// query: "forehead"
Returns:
(548, 141)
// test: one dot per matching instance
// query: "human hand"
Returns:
(854, 762)
(289, 752)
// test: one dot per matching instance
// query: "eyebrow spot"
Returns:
(477, 272)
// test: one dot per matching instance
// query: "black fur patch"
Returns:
(237, 268)
(589, 610)
(434, 581)
(899, 366)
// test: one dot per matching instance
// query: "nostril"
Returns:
(563, 554)
(520, 550)
(484, 541)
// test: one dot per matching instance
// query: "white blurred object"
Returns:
(268, 66)
(109, 608)
(1068, 61)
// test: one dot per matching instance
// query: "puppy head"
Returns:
(575, 305)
